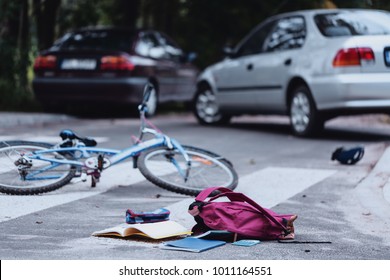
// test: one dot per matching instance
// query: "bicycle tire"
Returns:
(207, 170)
(10, 179)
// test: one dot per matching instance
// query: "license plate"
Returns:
(387, 56)
(78, 64)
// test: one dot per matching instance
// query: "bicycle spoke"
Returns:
(166, 168)
(39, 174)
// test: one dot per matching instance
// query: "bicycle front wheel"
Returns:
(36, 176)
(165, 167)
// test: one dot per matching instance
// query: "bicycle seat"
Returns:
(70, 135)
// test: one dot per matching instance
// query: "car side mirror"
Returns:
(228, 51)
(191, 56)
(188, 57)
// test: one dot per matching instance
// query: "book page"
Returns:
(156, 230)
(162, 229)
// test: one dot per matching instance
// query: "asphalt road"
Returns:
(282, 172)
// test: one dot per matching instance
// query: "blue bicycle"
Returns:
(28, 168)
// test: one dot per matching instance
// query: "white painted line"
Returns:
(273, 185)
(268, 187)
(12, 206)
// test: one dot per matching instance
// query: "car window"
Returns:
(171, 48)
(254, 43)
(98, 39)
(148, 45)
(353, 23)
(287, 33)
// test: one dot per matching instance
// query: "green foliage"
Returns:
(7, 94)
(13, 98)
(207, 26)
(374, 4)
(202, 26)
(77, 14)
(14, 54)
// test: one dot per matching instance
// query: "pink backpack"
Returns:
(241, 215)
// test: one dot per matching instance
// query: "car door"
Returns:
(256, 77)
(272, 67)
(237, 89)
(184, 74)
(149, 45)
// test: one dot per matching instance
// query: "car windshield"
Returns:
(99, 39)
(353, 23)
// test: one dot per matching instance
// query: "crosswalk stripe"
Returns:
(12, 207)
(268, 187)
(273, 185)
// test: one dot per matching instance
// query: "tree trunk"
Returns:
(9, 27)
(46, 14)
(24, 43)
(130, 11)
(14, 52)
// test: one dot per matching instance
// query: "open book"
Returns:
(158, 230)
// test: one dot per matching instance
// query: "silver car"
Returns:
(311, 65)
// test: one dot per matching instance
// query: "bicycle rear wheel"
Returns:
(39, 176)
(207, 170)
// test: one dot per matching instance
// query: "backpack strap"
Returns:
(234, 196)
(242, 197)
(203, 195)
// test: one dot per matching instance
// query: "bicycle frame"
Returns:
(80, 151)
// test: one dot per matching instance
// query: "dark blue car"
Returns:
(109, 67)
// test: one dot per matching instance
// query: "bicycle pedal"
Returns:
(94, 182)
(95, 178)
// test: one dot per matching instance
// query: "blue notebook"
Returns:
(191, 244)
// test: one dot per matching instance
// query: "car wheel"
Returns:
(304, 118)
(206, 108)
(152, 103)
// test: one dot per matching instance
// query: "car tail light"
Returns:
(45, 62)
(116, 63)
(353, 57)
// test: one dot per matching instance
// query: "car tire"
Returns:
(206, 108)
(305, 119)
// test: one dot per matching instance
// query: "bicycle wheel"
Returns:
(38, 176)
(207, 170)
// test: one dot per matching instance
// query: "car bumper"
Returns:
(352, 92)
(98, 90)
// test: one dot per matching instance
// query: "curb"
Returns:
(9, 119)
(374, 190)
